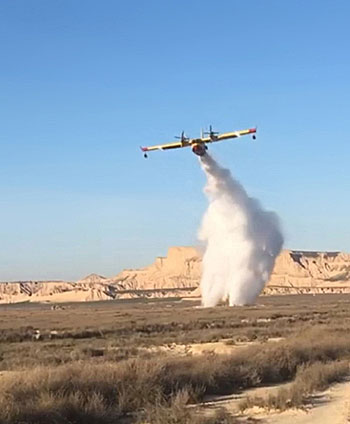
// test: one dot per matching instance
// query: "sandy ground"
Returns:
(329, 407)
(219, 348)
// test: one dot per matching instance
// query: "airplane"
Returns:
(199, 145)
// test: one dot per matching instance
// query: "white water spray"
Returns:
(242, 240)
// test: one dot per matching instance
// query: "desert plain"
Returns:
(167, 360)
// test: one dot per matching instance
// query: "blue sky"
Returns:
(84, 83)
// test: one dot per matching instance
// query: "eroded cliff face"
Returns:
(54, 291)
(294, 272)
(181, 268)
(293, 269)
(309, 269)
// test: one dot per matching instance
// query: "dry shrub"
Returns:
(220, 416)
(76, 392)
(59, 408)
(103, 394)
(308, 380)
(174, 412)
(83, 391)
(177, 412)
(319, 376)
(306, 348)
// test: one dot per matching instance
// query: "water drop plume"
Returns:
(242, 240)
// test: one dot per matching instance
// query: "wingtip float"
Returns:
(199, 145)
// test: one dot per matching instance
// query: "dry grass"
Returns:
(134, 390)
(116, 331)
(309, 379)
(177, 412)
(103, 391)
(97, 371)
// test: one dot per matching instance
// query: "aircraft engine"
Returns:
(199, 149)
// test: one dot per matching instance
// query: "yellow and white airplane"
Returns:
(199, 145)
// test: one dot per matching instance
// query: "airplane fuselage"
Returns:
(199, 149)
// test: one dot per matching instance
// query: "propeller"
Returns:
(182, 137)
(211, 133)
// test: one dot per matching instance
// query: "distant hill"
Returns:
(92, 279)
(179, 274)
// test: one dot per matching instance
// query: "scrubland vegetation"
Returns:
(92, 363)
(309, 379)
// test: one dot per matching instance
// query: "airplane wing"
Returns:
(200, 140)
(195, 141)
(167, 146)
(235, 134)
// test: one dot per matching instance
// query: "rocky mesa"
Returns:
(178, 274)
(294, 271)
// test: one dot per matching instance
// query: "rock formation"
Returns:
(181, 268)
(310, 272)
(178, 274)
